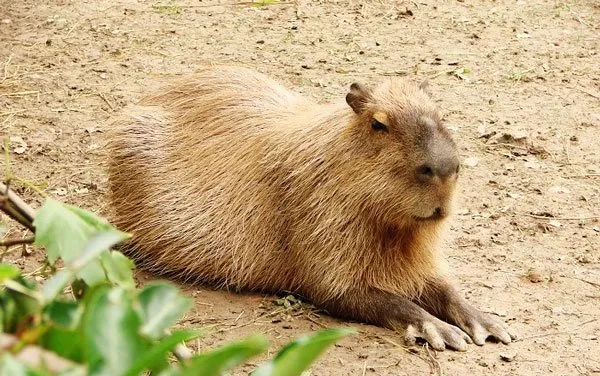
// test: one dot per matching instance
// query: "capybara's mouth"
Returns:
(438, 214)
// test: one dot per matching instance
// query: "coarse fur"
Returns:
(229, 178)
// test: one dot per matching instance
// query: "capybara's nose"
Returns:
(441, 168)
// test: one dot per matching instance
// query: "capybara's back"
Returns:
(230, 179)
(190, 176)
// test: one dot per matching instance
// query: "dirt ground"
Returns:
(519, 85)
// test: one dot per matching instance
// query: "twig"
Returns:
(263, 3)
(253, 320)
(158, 6)
(364, 372)
(7, 113)
(435, 362)
(71, 29)
(563, 218)
(510, 146)
(595, 284)
(567, 154)
(239, 316)
(20, 93)
(181, 352)
(581, 176)
(394, 73)
(589, 93)
(397, 345)
(106, 101)
(6, 64)
(541, 336)
(568, 331)
(11, 242)
(316, 322)
(586, 322)
(42, 268)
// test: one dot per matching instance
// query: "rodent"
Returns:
(229, 178)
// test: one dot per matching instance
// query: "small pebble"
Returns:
(508, 357)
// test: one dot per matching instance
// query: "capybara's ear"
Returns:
(358, 97)
(424, 86)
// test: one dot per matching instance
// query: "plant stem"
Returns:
(15, 207)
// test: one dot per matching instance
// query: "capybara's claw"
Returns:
(481, 326)
(438, 334)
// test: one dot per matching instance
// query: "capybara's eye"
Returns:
(378, 126)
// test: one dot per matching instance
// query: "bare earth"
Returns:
(519, 84)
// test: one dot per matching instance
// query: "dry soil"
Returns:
(519, 85)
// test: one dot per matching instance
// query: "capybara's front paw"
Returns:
(441, 299)
(481, 326)
(438, 334)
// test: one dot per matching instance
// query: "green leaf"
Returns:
(162, 305)
(97, 244)
(111, 327)
(91, 219)
(17, 286)
(65, 230)
(79, 371)
(8, 271)
(297, 356)
(8, 309)
(22, 304)
(214, 363)
(10, 366)
(92, 274)
(64, 342)
(157, 353)
(66, 314)
(56, 284)
(63, 336)
(62, 231)
(173, 370)
(118, 269)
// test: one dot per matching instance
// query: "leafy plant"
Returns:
(518, 76)
(89, 318)
(169, 9)
(460, 73)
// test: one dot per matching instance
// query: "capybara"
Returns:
(228, 178)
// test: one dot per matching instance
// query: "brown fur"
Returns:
(227, 177)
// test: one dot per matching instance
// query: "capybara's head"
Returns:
(411, 158)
